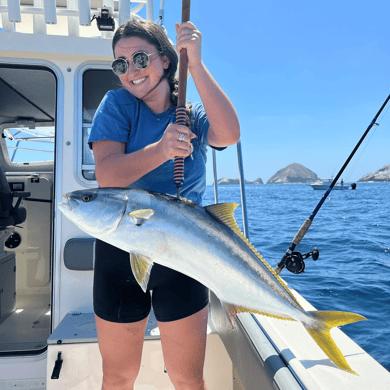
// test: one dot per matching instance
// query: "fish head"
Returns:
(97, 211)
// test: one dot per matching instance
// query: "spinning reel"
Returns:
(295, 262)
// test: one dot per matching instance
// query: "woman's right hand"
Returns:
(170, 144)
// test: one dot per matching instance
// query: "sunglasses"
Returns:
(140, 59)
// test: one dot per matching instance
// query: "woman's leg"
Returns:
(184, 345)
(121, 314)
(121, 349)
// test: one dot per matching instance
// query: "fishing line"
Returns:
(367, 144)
(353, 167)
(294, 261)
(178, 174)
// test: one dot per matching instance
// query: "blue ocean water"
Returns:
(352, 233)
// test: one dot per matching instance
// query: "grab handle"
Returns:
(57, 367)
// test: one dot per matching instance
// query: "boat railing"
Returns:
(242, 186)
(76, 12)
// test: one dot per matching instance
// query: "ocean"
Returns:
(352, 234)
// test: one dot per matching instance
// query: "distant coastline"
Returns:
(382, 174)
(225, 181)
(298, 174)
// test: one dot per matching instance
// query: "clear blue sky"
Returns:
(306, 79)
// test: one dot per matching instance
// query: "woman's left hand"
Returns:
(188, 37)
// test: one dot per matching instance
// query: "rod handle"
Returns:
(278, 270)
(178, 175)
(302, 231)
(183, 64)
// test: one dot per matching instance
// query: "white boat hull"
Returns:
(325, 187)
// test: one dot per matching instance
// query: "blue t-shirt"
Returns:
(122, 117)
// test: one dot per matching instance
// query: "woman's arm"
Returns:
(114, 168)
(224, 125)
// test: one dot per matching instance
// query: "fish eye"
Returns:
(87, 198)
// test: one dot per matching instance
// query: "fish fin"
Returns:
(141, 267)
(224, 213)
(232, 310)
(328, 320)
(138, 217)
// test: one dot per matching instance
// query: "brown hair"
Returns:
(155, 35)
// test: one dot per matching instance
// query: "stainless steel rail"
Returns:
(242, 187)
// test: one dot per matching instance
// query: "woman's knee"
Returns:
(187, 382)
(119, 377)
(121, 350)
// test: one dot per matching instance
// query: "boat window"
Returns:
(30, 145)
(96, 83)
(27, 113)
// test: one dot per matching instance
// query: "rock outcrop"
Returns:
(293, 173)
(257, 181)
(382, 174)
(225, 181)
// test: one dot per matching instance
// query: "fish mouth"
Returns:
(64, 206)
(67, 205)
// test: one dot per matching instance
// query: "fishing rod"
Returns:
(294, 261)
(178, 173)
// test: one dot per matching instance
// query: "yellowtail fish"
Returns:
(204, 243)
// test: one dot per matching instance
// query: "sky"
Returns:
(306, 79)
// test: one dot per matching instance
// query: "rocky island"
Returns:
(382, 174)
(293, 173)
(297, 173)
(225, 181)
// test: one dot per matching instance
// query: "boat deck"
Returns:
(26, 330)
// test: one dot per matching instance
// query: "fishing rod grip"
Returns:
(278, 269)
(178, 173)
(297, 239)
(183, 63)
(302, 231)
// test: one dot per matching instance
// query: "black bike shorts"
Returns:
(117, 297)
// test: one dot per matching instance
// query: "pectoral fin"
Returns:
(141, 267)
(138, 217)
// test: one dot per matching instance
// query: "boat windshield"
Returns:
(32, 145)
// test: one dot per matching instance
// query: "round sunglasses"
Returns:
(140, 59)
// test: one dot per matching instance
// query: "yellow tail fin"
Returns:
(328, 320)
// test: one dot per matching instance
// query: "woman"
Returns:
(134, 141)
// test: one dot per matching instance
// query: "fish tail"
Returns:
(321, 335)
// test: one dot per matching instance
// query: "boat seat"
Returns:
(10, 215)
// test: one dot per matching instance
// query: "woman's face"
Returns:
(141, 81)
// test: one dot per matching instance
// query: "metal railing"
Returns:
(242, 187)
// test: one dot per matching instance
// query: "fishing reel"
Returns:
(295, 262)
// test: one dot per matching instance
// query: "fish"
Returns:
(204, 243)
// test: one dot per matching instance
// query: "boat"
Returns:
(54, 70)
(324, 184)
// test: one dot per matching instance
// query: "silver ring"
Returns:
(181, 137)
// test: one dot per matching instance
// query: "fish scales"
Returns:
(211, 261)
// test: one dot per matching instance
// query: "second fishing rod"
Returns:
(294, 261)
